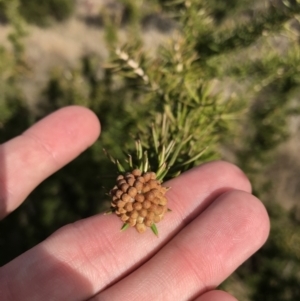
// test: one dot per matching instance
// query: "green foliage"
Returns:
(243, 35)
(44, 12)
(14, 113)
(175, 75)
(280, 273)
(172, 121)
(177, 107)
(11, 14)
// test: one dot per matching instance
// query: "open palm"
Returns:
(214, 226)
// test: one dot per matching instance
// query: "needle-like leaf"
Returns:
(125, 226)
(154, 229)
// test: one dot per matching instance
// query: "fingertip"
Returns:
(248, 216)
(260, 216)
(42, 149)
(257, 215)
(90, 126)
(230, 171)
(73, 119)
(201, 185)
(66, 132)
(92, 123)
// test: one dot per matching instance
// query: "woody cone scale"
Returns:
(139, 199)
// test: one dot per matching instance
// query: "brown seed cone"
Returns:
(139, 199)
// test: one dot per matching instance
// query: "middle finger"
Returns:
(201, 256)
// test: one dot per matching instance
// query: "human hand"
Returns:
(214, 226)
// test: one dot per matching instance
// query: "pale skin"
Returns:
(215, 225)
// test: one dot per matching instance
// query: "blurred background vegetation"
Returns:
(109, 55)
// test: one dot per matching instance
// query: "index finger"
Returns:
(28, 159)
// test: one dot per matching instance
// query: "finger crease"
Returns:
(41, 144)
